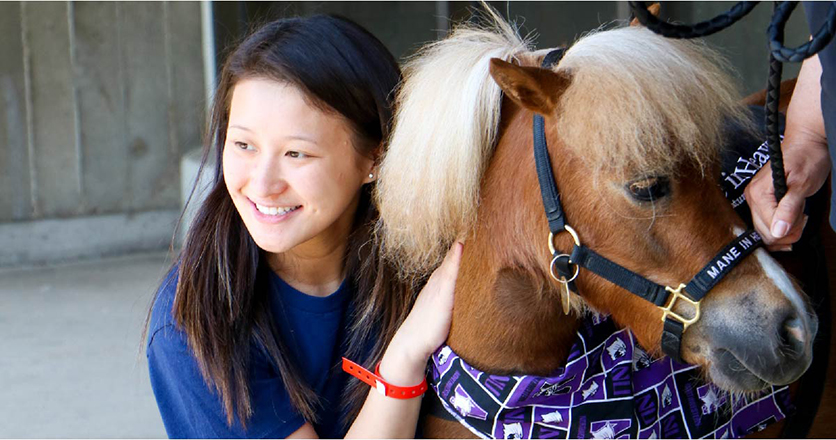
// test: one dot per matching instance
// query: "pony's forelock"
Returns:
(640, 104)
(429, 178)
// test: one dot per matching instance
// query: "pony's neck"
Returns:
(504, 324)
(507, 317)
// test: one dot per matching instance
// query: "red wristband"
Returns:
(383, 387)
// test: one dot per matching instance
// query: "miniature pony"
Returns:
(634, 124)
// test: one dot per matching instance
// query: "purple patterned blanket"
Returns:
(610, 388)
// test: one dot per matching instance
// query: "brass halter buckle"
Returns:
(667, 311)
(552, 251)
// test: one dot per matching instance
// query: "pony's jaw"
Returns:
(728, 373)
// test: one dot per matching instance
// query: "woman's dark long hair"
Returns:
(222, 303)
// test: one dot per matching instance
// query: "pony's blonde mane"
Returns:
(447, 112)
(641, 104)
(638, 104)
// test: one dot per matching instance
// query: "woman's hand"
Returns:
(426, 327)
(405, 361)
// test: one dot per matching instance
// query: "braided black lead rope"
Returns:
(773, 101)
(806, 50)
(699, 30)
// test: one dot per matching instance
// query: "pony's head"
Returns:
(634, 126)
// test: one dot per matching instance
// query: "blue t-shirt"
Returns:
(313, 329)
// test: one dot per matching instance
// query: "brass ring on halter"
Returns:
(571, 232)
(561, 279)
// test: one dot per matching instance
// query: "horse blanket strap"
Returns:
(609, 388)
(548, 189)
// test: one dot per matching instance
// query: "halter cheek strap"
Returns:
(548, 188)
(666, 298)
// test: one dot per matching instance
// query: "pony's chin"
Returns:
(728, 373)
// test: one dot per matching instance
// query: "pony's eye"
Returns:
(649, 189)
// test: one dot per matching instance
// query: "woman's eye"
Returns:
(243, 146)
(649, 189)
(296, 154)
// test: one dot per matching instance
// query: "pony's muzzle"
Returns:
(758, 345)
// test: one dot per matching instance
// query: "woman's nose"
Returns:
(267, 178)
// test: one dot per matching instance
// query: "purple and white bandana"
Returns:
(610, 388)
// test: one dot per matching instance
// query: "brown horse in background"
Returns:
(627, 113)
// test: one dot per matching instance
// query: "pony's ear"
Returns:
(531, 87)
(654, 9)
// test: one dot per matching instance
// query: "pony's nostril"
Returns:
(792, 337)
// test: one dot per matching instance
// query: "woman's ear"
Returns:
(372, 176)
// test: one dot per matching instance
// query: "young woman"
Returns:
(280, 276)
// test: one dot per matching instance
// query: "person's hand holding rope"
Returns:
(806, 163)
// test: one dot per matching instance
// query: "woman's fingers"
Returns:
(448, 271)
(428, 324)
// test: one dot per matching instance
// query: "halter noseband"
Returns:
(663, 297)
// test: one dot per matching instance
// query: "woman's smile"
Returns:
(274, 214)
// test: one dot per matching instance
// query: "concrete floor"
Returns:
(70, 361)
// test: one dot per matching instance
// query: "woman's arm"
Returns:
(806, 163)
(405, 360)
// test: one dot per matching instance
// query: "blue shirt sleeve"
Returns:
(192, 409)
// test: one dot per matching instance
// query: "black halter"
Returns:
(663, 297)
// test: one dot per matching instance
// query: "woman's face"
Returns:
(291, 169)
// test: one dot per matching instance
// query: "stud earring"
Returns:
(371, 175)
